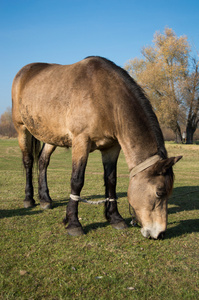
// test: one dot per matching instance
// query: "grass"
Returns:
(40, 261)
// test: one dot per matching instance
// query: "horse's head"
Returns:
(148, 194)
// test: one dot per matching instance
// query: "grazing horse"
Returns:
(93, 104)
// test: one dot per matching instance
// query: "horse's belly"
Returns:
(57, 140)
(61, 140)
(47, 133)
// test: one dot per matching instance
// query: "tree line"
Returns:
(169, 74)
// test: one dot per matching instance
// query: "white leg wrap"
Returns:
(75, 197)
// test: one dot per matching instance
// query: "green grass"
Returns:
(40, 261)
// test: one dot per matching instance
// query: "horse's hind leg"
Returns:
(45, 200)
(25, 142)
(80, 151)
(109, 158)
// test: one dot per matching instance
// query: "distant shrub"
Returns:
(6, 124)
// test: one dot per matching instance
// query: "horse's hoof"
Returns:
(46, 205)
(29, 203)
(120, 225)
(76, 231)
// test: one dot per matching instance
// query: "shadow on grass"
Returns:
(59, 203)
(185, 199)
(183, 227)
(30, 211)
(8, 213)
(94, 226)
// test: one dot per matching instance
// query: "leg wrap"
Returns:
(75, 197)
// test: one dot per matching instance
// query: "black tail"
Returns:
(36, 148)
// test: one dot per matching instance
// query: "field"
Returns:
(40, 261)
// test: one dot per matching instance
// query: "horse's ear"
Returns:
(177, 158)
(163, 165)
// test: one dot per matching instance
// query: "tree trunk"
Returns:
(178, 133)
(190, 132)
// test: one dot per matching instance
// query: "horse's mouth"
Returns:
(150, 235)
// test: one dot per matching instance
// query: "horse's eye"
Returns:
(160, 193)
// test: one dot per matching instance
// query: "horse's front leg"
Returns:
(80, 151)
(109, 158)
(45, 200)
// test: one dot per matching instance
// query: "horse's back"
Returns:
(57, 102)
(45, 78)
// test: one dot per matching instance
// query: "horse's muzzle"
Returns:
(153, 233)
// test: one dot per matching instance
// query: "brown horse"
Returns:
(89, 105)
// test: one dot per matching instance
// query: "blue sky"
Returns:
(66, 31)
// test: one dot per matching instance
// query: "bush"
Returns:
(6, 124)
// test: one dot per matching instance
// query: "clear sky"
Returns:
(66, 31)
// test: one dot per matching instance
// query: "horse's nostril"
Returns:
(161, 235)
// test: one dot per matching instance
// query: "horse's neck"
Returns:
(139, 134)
(137, 148)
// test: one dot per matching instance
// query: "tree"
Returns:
(6, 124)
(165, 74)
(190, 93)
